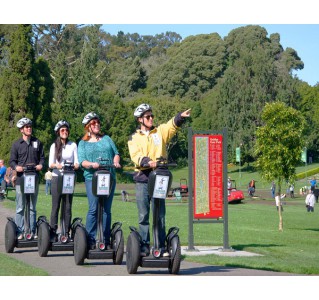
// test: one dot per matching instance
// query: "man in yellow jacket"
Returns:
(147, 144)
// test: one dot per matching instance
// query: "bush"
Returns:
(311, 172)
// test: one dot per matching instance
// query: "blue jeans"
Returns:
(92, 215)
(20, 207)
(48, 187)
(143, 205)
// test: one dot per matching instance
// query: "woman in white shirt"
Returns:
(62, 150)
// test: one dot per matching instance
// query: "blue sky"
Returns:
(304, 38)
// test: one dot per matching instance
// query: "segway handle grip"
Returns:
(29, 167)
(159, 164)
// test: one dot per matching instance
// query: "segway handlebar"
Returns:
(67, 166)
(29, 167)
(104, 163)
(161, 162)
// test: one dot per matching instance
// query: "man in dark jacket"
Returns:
(26, 150)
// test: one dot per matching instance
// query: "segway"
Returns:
(159, 184)
(102, 184)
(47, 238)
(28, 185)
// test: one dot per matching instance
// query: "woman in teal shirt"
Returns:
(95, 145)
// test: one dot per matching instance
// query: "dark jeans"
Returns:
(143, 205)
(56, 202)
(310, 208)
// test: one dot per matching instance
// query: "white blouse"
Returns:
(69, 153)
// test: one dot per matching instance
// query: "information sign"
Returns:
(208, 176)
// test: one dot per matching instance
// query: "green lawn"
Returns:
(253, 226)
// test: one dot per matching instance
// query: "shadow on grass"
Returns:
(242, 247)
(312, 229)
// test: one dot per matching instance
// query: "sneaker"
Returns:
(164, 252)
(145, 250)
(35, 236)
(92, 244)
(20, 236)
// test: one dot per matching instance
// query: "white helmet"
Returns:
(141, 109)
(60, 124)
(24, 121)
(90, 116)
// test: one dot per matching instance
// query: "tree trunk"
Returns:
(280, 217)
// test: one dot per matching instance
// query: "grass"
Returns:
(13, 267)
(253, 226)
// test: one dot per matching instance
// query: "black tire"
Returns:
(118, 255)
(43, 239)
(10, 236)
(132, 253)
(80, 245)
(175, 262)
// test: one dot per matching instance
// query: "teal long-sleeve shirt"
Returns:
(104, 148)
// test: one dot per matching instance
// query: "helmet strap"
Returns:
(145, 127)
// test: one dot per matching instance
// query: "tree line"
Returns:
(50, 72)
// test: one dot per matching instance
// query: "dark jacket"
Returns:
(23, 153)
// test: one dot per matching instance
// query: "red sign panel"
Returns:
(208, 176)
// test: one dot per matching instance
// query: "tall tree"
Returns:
(279, 144)
(256, 67)
(17, 85)
(192, 69)
(83, 90)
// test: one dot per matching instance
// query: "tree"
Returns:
(26, 91)
(258, 72)
(83, 89)
(279, 144)
(192, 69)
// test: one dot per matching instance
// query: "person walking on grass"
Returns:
(278, 201)
(3, 170)
(310, 201)
(48, 179)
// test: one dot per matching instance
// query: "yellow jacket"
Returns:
(144, 148)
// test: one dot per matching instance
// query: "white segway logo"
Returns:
(160, 189)
(68, 184)
(103, 184)
(29, 184)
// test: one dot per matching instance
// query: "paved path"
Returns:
(62, 263)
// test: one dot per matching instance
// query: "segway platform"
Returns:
(152, 262)
(100, 254)
(59, 246)
(27, 243)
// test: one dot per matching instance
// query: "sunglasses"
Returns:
(64, 130)
(149, 116)
(27, 126)
(95, 123)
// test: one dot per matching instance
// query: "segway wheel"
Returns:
(119, 253)
(175, 261)
(43, 239)
(80, 245)
(132, 253)
(10, 236)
